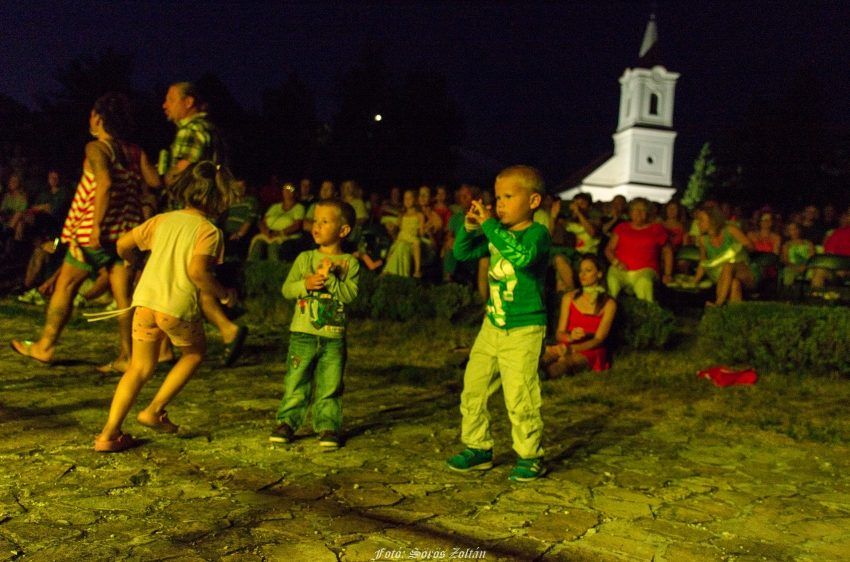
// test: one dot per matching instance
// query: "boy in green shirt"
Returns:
(323, 281)
(507, 348)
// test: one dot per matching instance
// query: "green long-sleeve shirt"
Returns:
(518, 261)
(322, 312)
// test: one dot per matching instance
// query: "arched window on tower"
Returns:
(653, 104)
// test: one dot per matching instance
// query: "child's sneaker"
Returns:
(471, 459)
(329, 439)
(527, 470)
(282, 434)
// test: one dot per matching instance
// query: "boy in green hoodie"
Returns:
(507, 348)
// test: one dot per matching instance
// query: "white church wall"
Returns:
(651, 156)
(637, 85)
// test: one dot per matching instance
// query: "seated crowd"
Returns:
(599, 249)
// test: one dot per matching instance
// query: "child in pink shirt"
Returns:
(184, 247)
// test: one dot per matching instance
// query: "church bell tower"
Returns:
(642, 164)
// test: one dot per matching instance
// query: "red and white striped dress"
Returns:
(124, 207)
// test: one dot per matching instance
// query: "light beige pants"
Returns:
(506, 358)
(640, 281)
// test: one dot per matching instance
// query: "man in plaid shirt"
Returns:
(197, 138)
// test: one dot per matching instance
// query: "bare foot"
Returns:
(32, 350)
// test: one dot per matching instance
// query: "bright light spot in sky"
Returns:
(378, 117)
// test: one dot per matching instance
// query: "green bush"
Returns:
(391, 297)
(361, 307)
(263, 298)
(401, 298)
(779, 337)
(454, 302)
(388, 297)
(640, 324)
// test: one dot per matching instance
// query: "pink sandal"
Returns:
(162, 423)
(120, 443)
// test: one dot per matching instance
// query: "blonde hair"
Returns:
(530, 178)
(205, 186)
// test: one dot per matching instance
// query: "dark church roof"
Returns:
(576, 178)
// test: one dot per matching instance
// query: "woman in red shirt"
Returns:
(634, 251)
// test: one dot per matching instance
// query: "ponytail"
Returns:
(205, 186)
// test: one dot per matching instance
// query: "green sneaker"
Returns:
(527, 470)
(471, 459)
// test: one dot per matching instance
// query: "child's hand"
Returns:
(316, 281)
(324, 266)
(478, 213)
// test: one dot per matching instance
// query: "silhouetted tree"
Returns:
(64, 128)
(358, 141)
(289, 125)
(784, 145)
(425, 124)
(17, 125)
(411, 143)
(701, 181)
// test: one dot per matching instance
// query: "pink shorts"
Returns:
(149, 326)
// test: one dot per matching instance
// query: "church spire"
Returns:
(648, 56)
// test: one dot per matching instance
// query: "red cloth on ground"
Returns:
(640, 248)
(724, 376)
(597, 357)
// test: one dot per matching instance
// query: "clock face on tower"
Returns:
(651, 159)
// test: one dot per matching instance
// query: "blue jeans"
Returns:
(323, 359)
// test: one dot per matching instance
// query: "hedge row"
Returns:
(382, 298)
(639, 324)
(778, 337)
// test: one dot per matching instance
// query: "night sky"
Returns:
(535, 81)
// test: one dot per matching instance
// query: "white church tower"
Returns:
(642, 164)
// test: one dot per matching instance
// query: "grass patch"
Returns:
(643, 387)
(652, 385)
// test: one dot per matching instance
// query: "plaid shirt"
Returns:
(197, 139)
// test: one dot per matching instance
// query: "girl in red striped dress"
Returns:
(106, 205)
